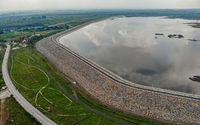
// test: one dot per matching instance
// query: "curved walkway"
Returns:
(19, 98)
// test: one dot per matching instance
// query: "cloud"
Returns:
(11, 5)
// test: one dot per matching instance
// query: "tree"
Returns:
(1, 31)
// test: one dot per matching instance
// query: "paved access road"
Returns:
(20, 99)
(4, 94)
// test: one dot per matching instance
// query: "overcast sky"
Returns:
(11, 5)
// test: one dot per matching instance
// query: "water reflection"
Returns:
(130, 48)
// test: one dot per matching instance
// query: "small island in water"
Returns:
(159, 34)
(195, 78)
(194, 40)
(179, 36)
(195, 25)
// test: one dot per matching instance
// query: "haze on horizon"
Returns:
(20, 5)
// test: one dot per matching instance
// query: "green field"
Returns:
(9, 36)
(43, 93)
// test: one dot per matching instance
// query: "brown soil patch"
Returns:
(4, 115)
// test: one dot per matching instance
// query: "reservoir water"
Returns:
(151, 51)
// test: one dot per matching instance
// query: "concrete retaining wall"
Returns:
(113, 91)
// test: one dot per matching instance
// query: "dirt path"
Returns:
(4, 116)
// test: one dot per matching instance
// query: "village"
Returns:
(24, 42)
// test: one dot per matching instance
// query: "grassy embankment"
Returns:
(2, 52)
(44, 94)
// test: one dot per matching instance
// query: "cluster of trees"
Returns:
(2, 40)
(45, 28)
(38, 17)
(35, 39)
(1, 32)
(24, 26)
(52, 28)
(175, 36)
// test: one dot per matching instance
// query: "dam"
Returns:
(143, 50)
(116, 92)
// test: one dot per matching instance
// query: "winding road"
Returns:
(19, 98)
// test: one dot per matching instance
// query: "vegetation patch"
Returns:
(44, 94)
(195, 25)
(17, 115)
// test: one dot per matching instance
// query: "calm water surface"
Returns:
(130, 48)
